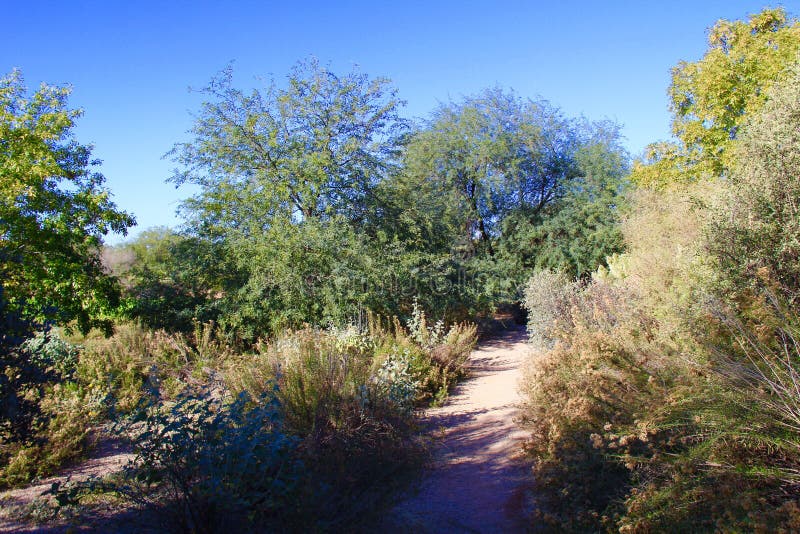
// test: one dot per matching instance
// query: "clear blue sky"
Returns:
(130, 63)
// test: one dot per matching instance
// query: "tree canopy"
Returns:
(54, 211)
(322, 202)
(312, 149)
(711, 98)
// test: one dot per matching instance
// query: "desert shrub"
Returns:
(600, 372)
(137, 363)
(725, 444)
(69, 388)
(48, 351)
(548, 298)
(349, 409)
(335, 405)
(439, 354)
(45, 415)
(689, 419)
(30, 364)
(316, 376)
(730, 456)
(60, 434)
(755, 233)
(214, 464)
(349, 394)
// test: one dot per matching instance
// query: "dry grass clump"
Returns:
(602, 370)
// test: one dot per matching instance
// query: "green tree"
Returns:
(576, 233)
(507, 186)
(172, 280)
(710, 99)
(313, 149)
(53, 212)
(490, 155)
(288, 177)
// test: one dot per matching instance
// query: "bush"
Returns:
(595, 370)
(214, 465)
(60, 434)
(665, 394)
(755, 234)
(45, 417)
(137, 364)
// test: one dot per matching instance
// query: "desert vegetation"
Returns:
(662, 393)
(266, 362)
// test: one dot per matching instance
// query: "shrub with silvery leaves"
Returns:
(395, 382)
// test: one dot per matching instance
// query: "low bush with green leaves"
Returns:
(212, 464)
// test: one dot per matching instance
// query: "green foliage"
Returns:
(579, 230)
(313, 271)
(311, 150)
(756, 231)
(500, 186)
(53, 212)
(287, 179)
(217, 465)
(173, 281)
(48, 351)
(489, 155)
(712, 98)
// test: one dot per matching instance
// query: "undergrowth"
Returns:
(311, 430)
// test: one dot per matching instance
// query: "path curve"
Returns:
(479, 481)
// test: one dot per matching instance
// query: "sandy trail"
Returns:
(478, 482)
(109, 457)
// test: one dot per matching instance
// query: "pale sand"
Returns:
(479, 481)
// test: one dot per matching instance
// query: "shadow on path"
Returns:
(479, 481)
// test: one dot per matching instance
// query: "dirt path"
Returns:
(479, 482)
(108, 457)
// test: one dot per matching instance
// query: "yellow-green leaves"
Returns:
(53, 211)
(711, 98)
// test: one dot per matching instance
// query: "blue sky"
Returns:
(130, 63)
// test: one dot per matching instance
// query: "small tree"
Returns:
(53, 212)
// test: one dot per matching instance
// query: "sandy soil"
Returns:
(479, 481)
(108, 457)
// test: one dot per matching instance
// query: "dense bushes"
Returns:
(597, 370)
(323, 416)
(213, 465)
(663, 394)
(45, 417)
